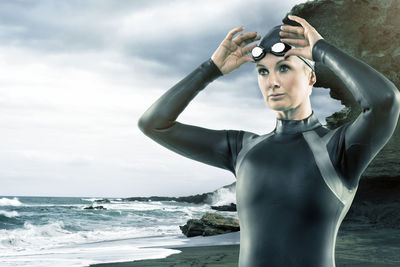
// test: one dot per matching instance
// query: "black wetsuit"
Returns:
(296, 183)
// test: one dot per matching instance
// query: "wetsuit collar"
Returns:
(296, 126)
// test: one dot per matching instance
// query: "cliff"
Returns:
(370, 31)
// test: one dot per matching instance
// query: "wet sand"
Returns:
(356, 247)
(225, 255)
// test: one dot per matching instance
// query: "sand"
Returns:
(361, 247)
(225, 255)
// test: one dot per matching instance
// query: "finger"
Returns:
(232, 32)
(250, 40)
(293, 29)
(288, 34)
(243, 37)
(301, 21)
(295, 42)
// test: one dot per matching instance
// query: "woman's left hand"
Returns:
(304, 37)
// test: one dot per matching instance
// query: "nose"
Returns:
(272, 81)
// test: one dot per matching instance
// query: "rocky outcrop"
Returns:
(197, 199)
(205, 198)
(376, 203)
(210, 224)
(230, 207)
(371, 36)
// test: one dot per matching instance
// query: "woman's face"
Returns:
(287, 79)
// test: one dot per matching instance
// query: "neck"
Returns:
(284, 126)
(298, 113)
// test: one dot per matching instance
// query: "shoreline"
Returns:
(190, 250)
(222, 256)
(365, 247)
(218, 255)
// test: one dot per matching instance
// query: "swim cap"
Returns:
(271, 43)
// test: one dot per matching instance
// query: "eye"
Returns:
(284, 68)
(262, 71)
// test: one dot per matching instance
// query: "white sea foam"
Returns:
(188, 211)
(35, 243)
(84, 255)
(113, 239)
(42, 237)
(224, 196)
(10, 202)
(9, 214)
(90, 199)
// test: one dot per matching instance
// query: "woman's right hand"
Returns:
(232, 52)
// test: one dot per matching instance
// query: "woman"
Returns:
(296, 183)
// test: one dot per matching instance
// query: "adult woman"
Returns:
(296, 183)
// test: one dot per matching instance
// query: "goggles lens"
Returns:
(278, 49)
(257, 51)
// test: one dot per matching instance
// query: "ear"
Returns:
(313, 78)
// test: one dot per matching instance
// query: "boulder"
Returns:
(210, 224)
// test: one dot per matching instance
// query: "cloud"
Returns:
(75, 76)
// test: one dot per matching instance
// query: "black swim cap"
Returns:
(271, 43)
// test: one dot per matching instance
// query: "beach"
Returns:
(55, 231)
(224, 255)
(355, 247)
(228, 256)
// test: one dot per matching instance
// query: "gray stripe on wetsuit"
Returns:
(318, 146)
(247, 145)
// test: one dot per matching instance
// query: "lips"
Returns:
(275, 95)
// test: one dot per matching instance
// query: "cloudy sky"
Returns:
(75, 76)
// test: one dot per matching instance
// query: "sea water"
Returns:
(58, 231)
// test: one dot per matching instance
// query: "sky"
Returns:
(75, 76)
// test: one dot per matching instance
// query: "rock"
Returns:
(377, 202)
(210, 224)
(95, 208)
(193, 227)
(372, 36)
(231, 207)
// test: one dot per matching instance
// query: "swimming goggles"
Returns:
(278, 49)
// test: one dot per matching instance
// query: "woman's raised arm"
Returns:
(378, 97)
(380, 103)
(214, 147)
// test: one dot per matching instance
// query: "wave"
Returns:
(10, 202)
(89, 199)
(55, 234)
(9, 214)
(224, 196)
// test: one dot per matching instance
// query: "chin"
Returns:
(277, 107)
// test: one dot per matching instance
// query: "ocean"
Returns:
(59, 231)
